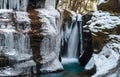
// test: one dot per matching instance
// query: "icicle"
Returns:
(18, 4)
(1, 4)
(10, 4)
(14, 4)
(49, 3)
(24, 4)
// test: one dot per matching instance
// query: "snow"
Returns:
(109, 56)
(113, 75)
(5, 11)
(11, 72)
(54, 66)
(103, 20)
(22, 16)
(107, 59)
(90, 64)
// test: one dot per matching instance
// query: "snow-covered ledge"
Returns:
(108, 59)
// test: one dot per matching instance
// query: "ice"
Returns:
(14, 4)
(49, 3)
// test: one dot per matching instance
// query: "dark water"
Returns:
(70, 70)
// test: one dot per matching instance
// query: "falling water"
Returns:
(73, 42)
(14, 4)
(72, 38)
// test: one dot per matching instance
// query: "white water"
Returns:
(73, 42)
(14, 4)
(72, 36)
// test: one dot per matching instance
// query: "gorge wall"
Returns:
(30, 39)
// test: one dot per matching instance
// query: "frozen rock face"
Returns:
(105, 30)
(15, 48)
(50, 43)
(29, 41)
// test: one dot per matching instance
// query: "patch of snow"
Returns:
(108, 58)
(7, 30)
(8, 71)
(90, 64)
(113, 75)
(103, 20)
(22, 16)
(25, 64)
(54, 66)
(5, 11)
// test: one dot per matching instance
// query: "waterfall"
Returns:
(14, 4)
(72, 38)
(73, 42)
